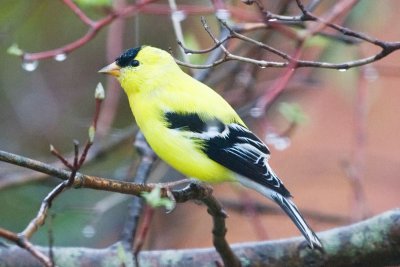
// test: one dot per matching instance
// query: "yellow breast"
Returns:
(181, 153)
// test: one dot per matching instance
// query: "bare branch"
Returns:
(386, 47)
(25, 244)
(12, 177)
(95, 27)
(136, 206)
(373, 242)
(219, 231)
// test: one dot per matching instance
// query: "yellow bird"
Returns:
(195, 130)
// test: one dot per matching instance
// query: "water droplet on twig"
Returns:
(343, 70)
(60, 57)
(29, 65)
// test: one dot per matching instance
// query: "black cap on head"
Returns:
(127, 57)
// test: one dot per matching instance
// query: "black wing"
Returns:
(233, 146)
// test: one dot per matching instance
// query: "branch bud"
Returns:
(91, 133)
(99, 92)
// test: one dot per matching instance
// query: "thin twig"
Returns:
(95, 27)
(58, 155)
(147, 218)
(386, 47)
(24, 243)
(219, 231)
(114, 46)
(42, 214)
(218, 214)
(12, 176)
(279, 84)
(81, 15)
(190, 192)
(142, 174)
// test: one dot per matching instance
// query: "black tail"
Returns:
(291, 210)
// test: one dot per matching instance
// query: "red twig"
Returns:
(76, 154)
(338, 10)
(57, 154)
(95, 26)
(147, 218)
(281, 82)
(218, 4)
(81, 15)
(114, 46)
(237, 12)
(279, 85)
(41, 215)
(24, 243)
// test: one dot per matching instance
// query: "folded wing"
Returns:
(231, 145)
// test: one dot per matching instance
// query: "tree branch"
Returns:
(13, 177)
(136, 205)
(373, 242)
(219, 231)
(193, 191)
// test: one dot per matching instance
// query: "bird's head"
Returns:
(140, 65)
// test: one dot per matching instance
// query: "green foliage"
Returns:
(15, 50)
(121, 255)
(245, 261)
(319, 41)
(293, 112)
(93, 3)
(192, 43)
(155, 200)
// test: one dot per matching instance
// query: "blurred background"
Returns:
(333, 134)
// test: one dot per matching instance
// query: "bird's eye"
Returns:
(134, 63)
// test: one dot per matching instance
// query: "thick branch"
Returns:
(374, 242)
(218, 214)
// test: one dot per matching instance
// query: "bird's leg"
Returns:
(170, 195)
(176, 183)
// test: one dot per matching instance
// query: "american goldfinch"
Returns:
(195, 130)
